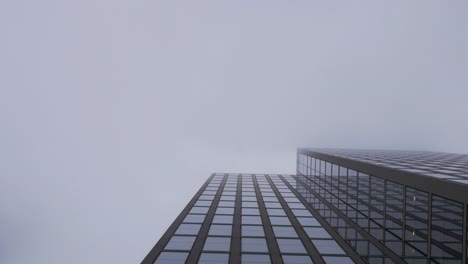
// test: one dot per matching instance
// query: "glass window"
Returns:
(250, 211)
(223, 219)
(227, 198)
(270, 199)
(276, 212)
(291, 245)
(206, 197)
(225, 210)
(249, 199)
(253, 220)
(249, 204)
(296, 206)
(297, 260)
(226, 204)
(279, 220)
(220, 230)
(203, 203)
(328, 247)
(254, 245)
(337, 260)
(199, 210)
(284, 231)
(188, 229)
(272, 205)
(301, 212)
(255, 259)
(317, 232)
(172, 258)
(180, 242)
(254, 230)
(308, 221)
(214, 258)
(217, 244)
(192, 218)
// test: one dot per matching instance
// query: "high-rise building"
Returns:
(343, 206)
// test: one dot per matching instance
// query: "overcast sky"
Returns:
(113, 113)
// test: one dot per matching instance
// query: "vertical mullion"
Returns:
(200, 240)
(270, 237)
(464, 235)
(351, 253)
(386, 251)
(429, 228)
(313, 252)
(156, 250)
(235, 256)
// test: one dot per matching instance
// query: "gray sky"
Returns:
(113, 113)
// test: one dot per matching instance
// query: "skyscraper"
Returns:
(343, 206)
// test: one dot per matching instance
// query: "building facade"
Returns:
(343, 206)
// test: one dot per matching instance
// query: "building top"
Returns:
(445, 174)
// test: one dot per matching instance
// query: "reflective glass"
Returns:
(180, 242)
(250, 211)
(188, 229)
(288, 259)
(279, 220)
(214, 258)
(254, 230)
(225, 210)
(199, 210)
(255, 259)
(291, 245)
(255, 220)
(317, 232)
(220, 230)
(254, 245)
(284, 231)
(192, 218)
(328, 247)
(217, 244)
(223, 219)
(172, 258)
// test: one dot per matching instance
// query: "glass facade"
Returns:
(341, 207)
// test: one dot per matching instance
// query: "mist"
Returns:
(113, 113)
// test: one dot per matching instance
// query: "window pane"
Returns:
(284, 231)
(250, 211)
(291, 246)
(278, 220)
(172, 258)
(297, 260)
(308, 221)
(223, 219)
(217, 243)
(225, 210)
(214, 258)
(328, 247)
(276, 212)
(317, 232)
(188, 229)
(253, 230)
(220, 230)
(199, 210)
(338, 260)
(254, 245)
(255, 259)
(251, 220)
(190, 218)
(180, 242)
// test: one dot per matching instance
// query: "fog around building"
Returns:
(114, 113)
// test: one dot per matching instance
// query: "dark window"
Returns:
(172, 258)
(254, 245)
(180, 242)
(217, 244)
